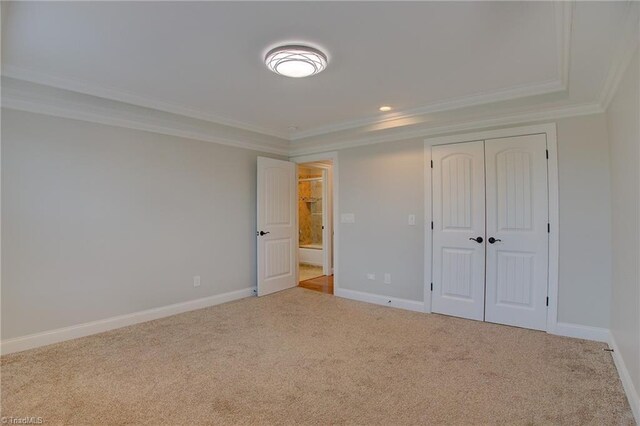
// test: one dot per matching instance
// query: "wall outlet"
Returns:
(387, 278)
(371, 277)
(412, 219)
(196, 281)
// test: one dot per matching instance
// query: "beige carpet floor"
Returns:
(302, 357)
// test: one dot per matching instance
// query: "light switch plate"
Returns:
(347, 218)
(412, 219)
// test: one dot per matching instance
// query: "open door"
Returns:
(277, 229)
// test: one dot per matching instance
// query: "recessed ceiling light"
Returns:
(296, 61)
(385, 108)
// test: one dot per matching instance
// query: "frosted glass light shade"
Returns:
(296, 61)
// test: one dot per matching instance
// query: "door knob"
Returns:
(477, 240)
(262, 233)
(493, 240)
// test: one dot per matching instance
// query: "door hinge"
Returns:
(431, 286)
(431, 224)
(548, 228)
(547, 152)
(547, 300)
(432, 164)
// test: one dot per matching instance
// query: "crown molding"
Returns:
(629, 42)
(447, 105)
(496, 120)
(46, 95)
(21, 96)
(564, 26)
(20, 73)
(30, 97)
(563, 12)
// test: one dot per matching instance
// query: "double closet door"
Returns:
(490, 230)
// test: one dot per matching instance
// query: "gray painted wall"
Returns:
(624, 133)
(384, 183)
(99, 221)
(584, 285)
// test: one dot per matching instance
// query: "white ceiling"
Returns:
(205, 60)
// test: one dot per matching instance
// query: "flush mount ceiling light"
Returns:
(296, 61)
(385, 108)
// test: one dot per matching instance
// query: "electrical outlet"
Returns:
(196, 281)
(387, 278)
(412, 219)
(371, 277)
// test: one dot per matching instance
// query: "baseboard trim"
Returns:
(394, 302)
(579, 331)
(36, 340)
(632, 393)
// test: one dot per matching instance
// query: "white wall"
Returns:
(624, 133)
(100, 221)
(585, 221)
(383, 183)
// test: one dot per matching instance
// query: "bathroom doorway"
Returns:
(315, 227)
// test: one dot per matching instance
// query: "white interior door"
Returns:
(458, 230)
(277, 228)
(517, 218)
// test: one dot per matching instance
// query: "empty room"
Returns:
(315, 213)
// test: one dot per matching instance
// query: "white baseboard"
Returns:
(394, 302)
(632, 393)
(578, 331)
(35, 340)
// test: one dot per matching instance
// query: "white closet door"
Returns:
(517, 218)
(458, 221)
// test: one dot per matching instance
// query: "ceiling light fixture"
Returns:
(296, 61)
(385, 108)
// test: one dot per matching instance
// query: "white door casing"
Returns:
(517, 217)
(277, 234)
(326, 223)
(458, 221)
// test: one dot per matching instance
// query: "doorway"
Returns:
(315, 225)
(278, 232)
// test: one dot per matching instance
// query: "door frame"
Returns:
(333, 156)
(548, 129)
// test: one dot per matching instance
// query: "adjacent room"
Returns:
(315, 230)
(310, 212)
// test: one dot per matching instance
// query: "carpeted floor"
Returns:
(302, 357)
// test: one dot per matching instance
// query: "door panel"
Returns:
(277, 248)
(458, 216)
(517, 215)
